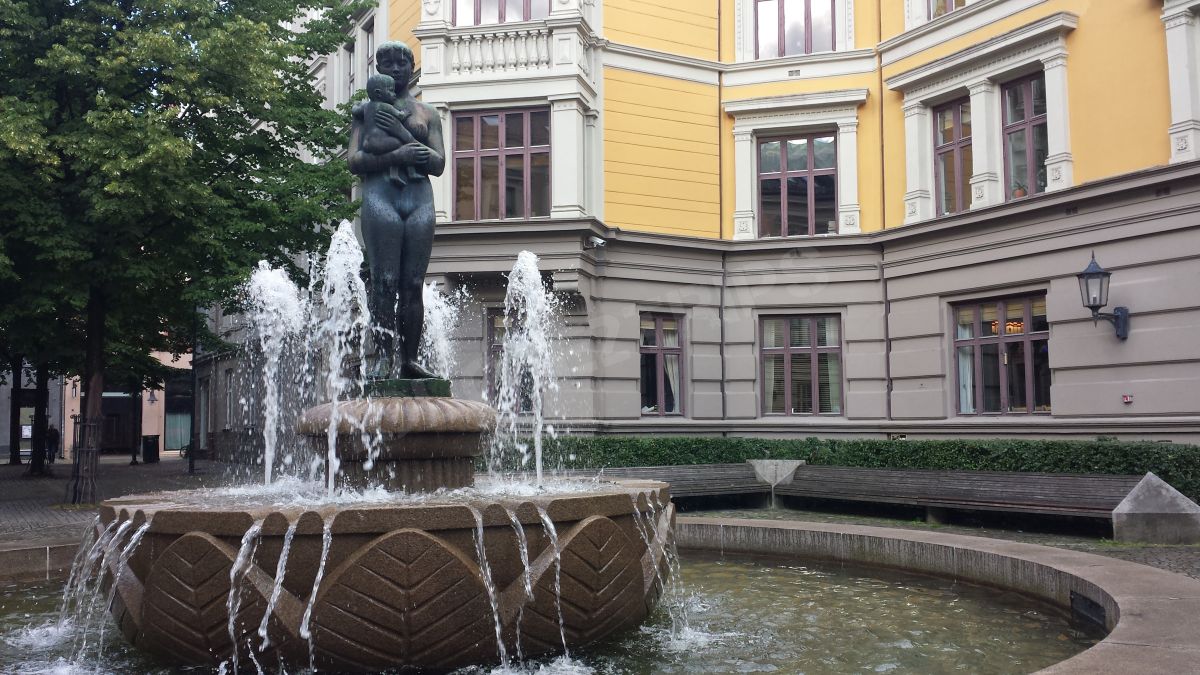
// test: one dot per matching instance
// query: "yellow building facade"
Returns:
(915, 182)
(673, 75)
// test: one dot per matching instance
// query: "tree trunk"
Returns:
(41, 419)
(82, 489)
(93, 365)
(14, 412)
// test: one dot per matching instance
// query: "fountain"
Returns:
(391, 557)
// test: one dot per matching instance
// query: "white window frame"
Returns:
(744, 47)
(1182, 27)
(980, 71)
(802, 113)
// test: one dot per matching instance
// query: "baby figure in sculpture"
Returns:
(381, 90)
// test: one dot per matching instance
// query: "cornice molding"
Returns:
(837, 98)
(952, 24)
(975, 57)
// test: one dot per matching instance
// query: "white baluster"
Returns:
(489, 52)
(543, 49)
(455, 55)
(477, 54)
(510, 51)
(520, 40)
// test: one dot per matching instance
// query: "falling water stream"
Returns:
(277, 313)
(532, 332)
(280, 572)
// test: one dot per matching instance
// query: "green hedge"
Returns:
(1177, 464)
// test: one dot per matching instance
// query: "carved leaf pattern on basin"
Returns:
(184, 614)
(602, 588)
(405, 598)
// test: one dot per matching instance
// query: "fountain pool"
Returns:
(746, 614)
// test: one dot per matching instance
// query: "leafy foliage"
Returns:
(1177, 464)
(151, 152)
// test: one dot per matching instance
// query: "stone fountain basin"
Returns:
(402, 584)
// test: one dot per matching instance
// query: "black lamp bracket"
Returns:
(1119, 318)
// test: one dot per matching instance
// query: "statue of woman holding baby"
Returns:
(397, 207)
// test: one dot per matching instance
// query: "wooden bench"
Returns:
(1087, 495)
(699, 480)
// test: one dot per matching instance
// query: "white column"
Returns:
(1183, 69)
(986, 140)
(744, 188)
(918, 144)
(1059, 162)
(443, 185)
(847, 167)
(594, 170)
(567, 170)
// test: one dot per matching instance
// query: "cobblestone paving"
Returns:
(32, 508)
(1181, 559)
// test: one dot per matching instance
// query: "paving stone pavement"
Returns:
(32, 508)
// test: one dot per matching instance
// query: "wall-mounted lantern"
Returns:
(153, 398)
(1093, 287)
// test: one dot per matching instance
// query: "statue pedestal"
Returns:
(408, 436)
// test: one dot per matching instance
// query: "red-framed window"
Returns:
(486, 12)
(788, 27)
(502, 164)
(797, 185)
(952, 164)
(1002, 356)
(496, 331)
(939, 7)
(1025, 142)
(662, 364)
(801, 359)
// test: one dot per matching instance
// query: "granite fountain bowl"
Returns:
(410, 444)
(434, 583)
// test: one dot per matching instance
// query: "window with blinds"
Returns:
(801, 360)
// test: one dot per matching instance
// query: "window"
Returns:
(1025, 144)
(788, 27)
(940, 7)
(1002, 356)
(662, 360)
(797, 186)
(802, 365)
(502, 165)
(369, 40)
(496, 331)
(1022, 124)
(952, 155)
(486, 12)
(350, 71)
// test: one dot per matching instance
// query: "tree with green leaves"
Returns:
(151, 152)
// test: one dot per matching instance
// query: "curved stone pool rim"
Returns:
(1152, 616)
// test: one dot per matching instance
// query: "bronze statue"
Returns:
(397, 207)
